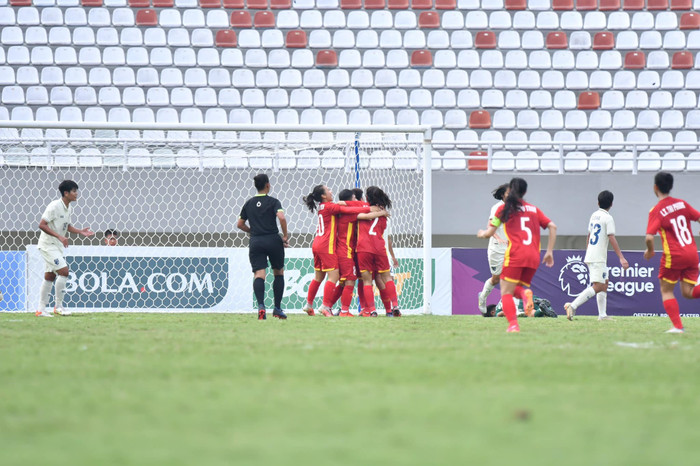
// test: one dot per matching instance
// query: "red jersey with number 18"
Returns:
(671, 218)
(522, 231)
(371, 236)
(324, 242)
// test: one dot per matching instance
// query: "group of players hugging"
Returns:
(352, 236)
(514, 250)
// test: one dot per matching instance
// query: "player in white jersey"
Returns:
(54, 225)
(601, 230)
(496, 251)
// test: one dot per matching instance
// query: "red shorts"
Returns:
(369, 262)
(689, 275)
(325, 262)
(348, 271)
(518, 275)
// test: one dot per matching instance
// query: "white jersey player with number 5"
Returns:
(601, 231)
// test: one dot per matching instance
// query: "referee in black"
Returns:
(262, 212)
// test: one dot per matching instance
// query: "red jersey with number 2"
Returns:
(522, 231)
(371, 236)
(671, 218)
(324, 242)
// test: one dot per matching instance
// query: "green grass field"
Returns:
(106, 389)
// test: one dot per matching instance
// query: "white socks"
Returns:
(488, 288)
(60, 289)
(585, 295)
(602, 299)
(44, 294)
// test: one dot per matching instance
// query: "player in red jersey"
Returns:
(323, 247)
(345, 248)
(671, 218)
(371, 253)
(520, 222)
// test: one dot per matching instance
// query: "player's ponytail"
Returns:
(314, 197)
(500, 193)
(517, 189)
(375, 196)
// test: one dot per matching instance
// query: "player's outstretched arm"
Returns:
(548, 258)
(616, 248)
(649, 240)
(241, 225)
(84, 231)
(487, 233)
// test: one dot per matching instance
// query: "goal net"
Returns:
(171, 197)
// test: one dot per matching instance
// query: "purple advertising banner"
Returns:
(631, 292)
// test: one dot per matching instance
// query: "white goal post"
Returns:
(173, 193)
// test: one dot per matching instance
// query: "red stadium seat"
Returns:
(264, 19)
(480, 119)
(485, 40)
(280, 4)
(146, 17)
(163, 3)
(633, 4)
(429, 20)
(562, 4)
(478, 165)
(657, 4)
(681, 4)
(139, 3)
(20, 2)
(421, 4)
(635, 60)
(603, 40)
(91, 2)
(375, 4)
(682, 61)
(586, 4)
(241, 19)
(210, 3)
(326, 58)
(350, 4)
(516, 4)
(296, 39)
(557, 40)
(226, 38)
(398, 4)
(421, 58)
(690, 20)
(608, 5)
(445, 4)
(257, 4)
(234, 4)
(589, 101)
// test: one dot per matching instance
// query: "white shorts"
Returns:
(53, 258)
(598, 272)
(496, 259)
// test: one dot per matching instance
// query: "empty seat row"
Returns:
(131, 3)
(176, 37)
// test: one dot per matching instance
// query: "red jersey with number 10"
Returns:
(671, 218)
(370, 237)
(326, 228)
(522, 231)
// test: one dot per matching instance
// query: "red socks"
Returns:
(361, 294)
(384, 296)
(313, 289)
(346, 298)
(390, 288)
(519, 292)
(696, 292)
(338, 292)
(671, 306)
(328, 294)
(509, 308)
(368, 291)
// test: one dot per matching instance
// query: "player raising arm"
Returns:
(323, 247)
(521, 221)
(671, 217)
(54, 225)
(601, 230)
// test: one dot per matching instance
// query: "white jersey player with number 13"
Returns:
(601, 231)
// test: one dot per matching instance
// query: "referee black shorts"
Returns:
(263, 247)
